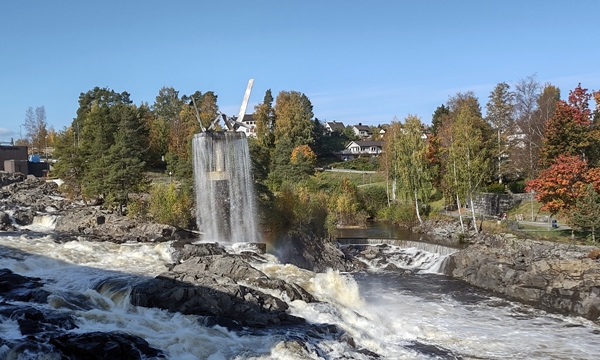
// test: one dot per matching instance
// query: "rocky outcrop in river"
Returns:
(552, 276)
(224, 287)
(305, 250)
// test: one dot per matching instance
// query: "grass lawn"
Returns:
(355, 178)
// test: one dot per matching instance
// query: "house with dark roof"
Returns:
(360, 148)
(362, 131)
(334, 126)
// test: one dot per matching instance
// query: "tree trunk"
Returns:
(473, 214)
(462, 225)
(417, 208)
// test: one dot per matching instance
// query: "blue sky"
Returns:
(357, 61)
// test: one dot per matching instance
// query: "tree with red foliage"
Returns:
(571, 131)
(559, 186)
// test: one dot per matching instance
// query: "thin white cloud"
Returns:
(5, 132)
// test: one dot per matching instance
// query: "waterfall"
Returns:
(225, 204)
(422, 256)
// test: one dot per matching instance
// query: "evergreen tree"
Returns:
(437, 118)
(123, 163)
(500, 114)
(586, 213)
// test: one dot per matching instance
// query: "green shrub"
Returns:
(362, 164)
(496, 188)
(172, 205)
(517, 187)
(399, 214)
(137, 208)
(437, 195)
(373, 198)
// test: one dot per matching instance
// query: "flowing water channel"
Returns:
(412, 314)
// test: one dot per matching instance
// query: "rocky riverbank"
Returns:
(223, 288)
(553, 276)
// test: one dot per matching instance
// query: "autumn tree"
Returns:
(571, 131)
(182, 128)
(36, 128)
(439, 119)
(293, 128)
(500, 115)
(560, 185)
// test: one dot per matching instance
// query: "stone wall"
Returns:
(495, 204)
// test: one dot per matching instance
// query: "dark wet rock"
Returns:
(292, 291)
(10, 178)
(21, 288)
(24, 217)
(183, 250)
(433, 351)
(229, 324)
(35, 194)
(95, 224)
(5, 222)
(34, 321)
(307, 251)
(100, 345)
(552, 276)
(214, 285)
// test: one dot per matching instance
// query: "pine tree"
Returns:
(586, 213)
(500, 114)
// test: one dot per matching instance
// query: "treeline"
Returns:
(529, 137)
(106, 153)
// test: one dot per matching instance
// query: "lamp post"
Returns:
(46, 148)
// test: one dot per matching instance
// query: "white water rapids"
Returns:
(418, 316)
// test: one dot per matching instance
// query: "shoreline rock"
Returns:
(551, 276)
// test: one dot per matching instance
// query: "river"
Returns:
(415, 314)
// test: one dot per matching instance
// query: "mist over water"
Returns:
(225, 204)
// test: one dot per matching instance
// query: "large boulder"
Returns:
(552, 276)
(93, 223)
(101, 345)
(21, 288)
(307, 251)
(220, 287)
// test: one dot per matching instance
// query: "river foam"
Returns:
(416, 316)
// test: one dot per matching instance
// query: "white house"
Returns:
(249, 121)
(362, 131)
(361, 148)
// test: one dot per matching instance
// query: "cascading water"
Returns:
(225, 205)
